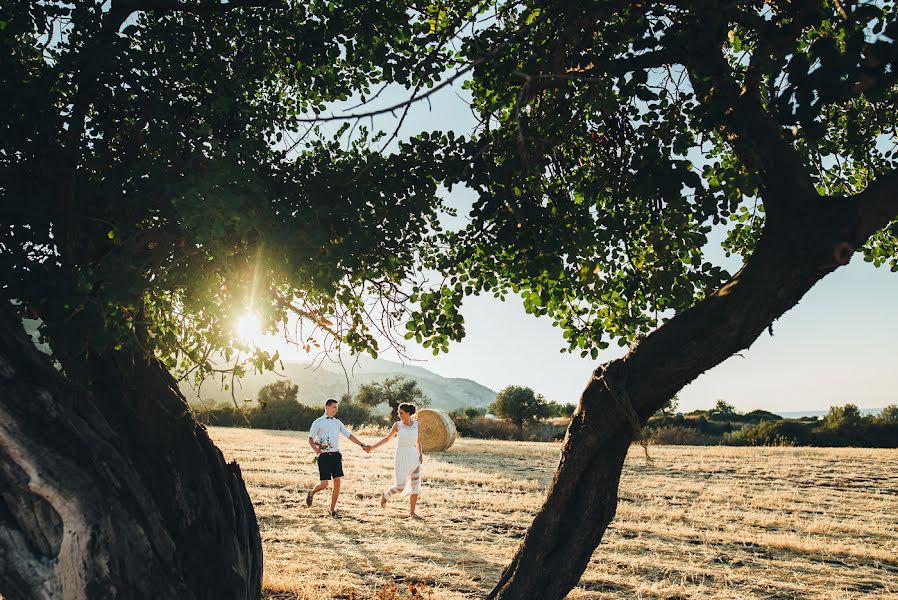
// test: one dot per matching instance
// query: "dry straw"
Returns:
(437, 430)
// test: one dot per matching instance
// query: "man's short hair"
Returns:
(331, 401)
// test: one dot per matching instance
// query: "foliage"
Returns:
(277, 407)
(392, 391)
(172, 184)
(500, 429)
(559, 409)
(773, 433)
(614, 137)
(472, 412)
(220, 415)
(845, 417)
(842, 426)
(888, 415)
(353, 413)
(520, 405)
(722, 410)
(670, 407)
(678, 435)
(283, 413)
(279, 390)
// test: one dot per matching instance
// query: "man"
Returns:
(324, 438)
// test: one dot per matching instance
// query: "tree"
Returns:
(557, 409)
(277, 391)
(393, 391)
(472, 412)
(888, 415)
(723, 409)
(843, 418)
(669, 408)
(520, 405)
(614, 138)
(353, 413)
(151, 192)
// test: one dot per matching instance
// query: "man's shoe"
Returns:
(309, 499)
(335, 514)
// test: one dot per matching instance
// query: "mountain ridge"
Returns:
(321, 382)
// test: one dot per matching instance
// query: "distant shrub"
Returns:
(677, 435)
(698, 422)
(354, 414)
(557, 409)
(484, 428)
(219, 415)
(501, 429)
(772, 433)
(283, 413)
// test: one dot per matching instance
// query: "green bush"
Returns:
(677, 435)
(354, 414)
(219, 415)
(283, 413)
(772, 433)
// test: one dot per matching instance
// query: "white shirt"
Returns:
(327, 430)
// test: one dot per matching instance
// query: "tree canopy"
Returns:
(169, 188)
(520, 405)
(392, 391)
(616, 136)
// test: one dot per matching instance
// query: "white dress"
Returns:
(406, 467)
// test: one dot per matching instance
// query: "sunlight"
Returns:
(249, 328)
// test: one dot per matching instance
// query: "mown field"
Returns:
(693, 522)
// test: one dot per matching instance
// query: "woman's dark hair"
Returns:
(406, 407)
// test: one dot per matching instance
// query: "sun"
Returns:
(249, 328)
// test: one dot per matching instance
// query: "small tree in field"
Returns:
(844, 418)
(520, 405)
(722, 409)
(392, 392)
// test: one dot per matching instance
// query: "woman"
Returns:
(407, 465)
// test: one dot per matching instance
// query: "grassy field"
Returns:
(693, 522)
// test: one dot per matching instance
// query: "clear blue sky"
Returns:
(837, 346)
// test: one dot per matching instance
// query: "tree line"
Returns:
(841, 426)
(277, 406)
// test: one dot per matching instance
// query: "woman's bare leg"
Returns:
(412, 501)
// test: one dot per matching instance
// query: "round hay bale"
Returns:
(437, 430)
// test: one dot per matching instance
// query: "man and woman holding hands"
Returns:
(324, 438)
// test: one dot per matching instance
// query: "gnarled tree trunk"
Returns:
(796, 251)
(110, 489)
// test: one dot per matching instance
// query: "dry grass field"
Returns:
(693, 522)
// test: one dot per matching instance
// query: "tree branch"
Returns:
(877, 206)
(756, 137)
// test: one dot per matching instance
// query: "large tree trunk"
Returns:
(109, 488)
(624, 393)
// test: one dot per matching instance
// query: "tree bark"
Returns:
(108, 487)
(814, 238)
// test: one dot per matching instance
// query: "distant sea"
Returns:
(820, 413)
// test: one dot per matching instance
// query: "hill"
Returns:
(329, 380)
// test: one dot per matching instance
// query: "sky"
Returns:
(837, 346)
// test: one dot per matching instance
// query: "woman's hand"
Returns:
(420, 459)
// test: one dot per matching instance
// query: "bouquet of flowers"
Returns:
(325, 446)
